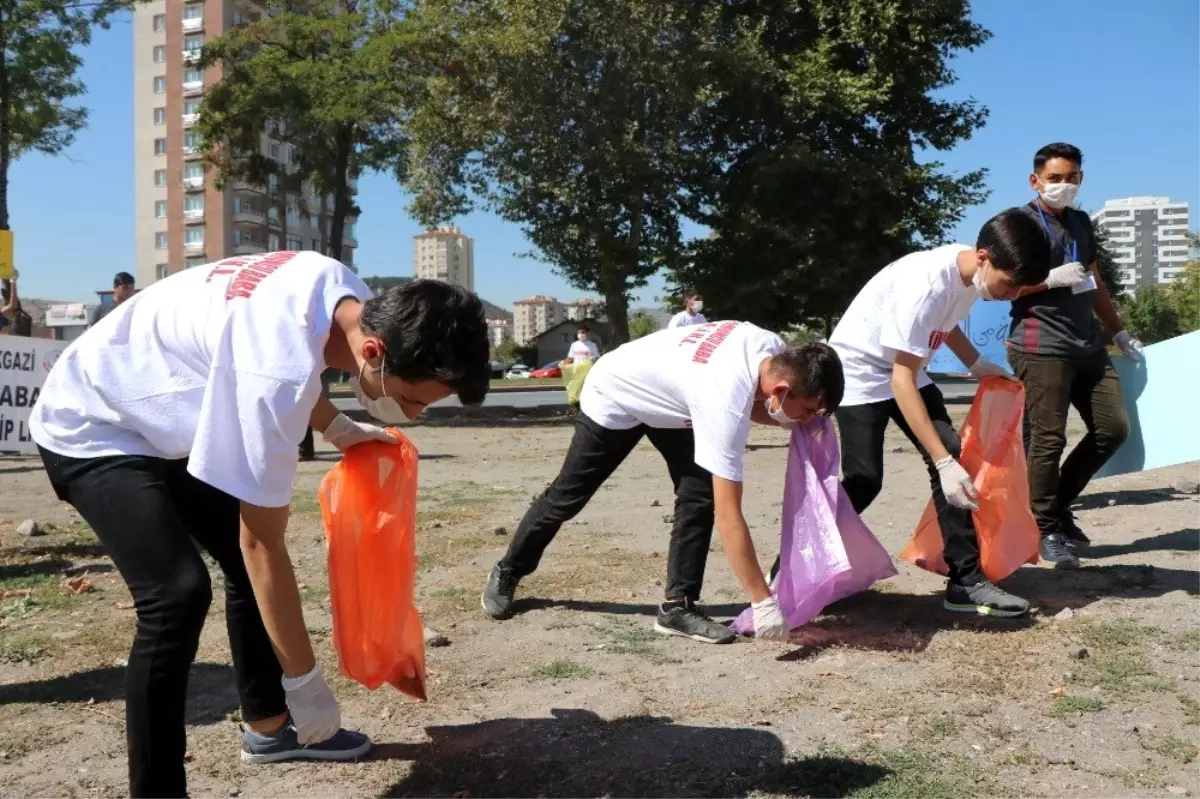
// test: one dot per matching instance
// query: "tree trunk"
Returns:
(616, 301)
(5, 121)
(282, 186)
(323, 226)
(341, 190)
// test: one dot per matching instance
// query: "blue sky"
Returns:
(1116, 78)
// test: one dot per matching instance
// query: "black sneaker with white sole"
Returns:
(497, 599)
(1070, 530)
(684, 619)
(1055, 550)
(984, 599)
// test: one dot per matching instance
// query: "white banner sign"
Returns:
(24, 364)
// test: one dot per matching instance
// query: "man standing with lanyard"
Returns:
(1055, 349)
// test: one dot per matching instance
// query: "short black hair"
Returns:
(123, 279)
(433, 331)
(1016, 244)
(814, 370)
(691, 295)
(584, 329)
(1058, 149)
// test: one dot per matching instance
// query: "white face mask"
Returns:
(385, 409)
(980, 281)
(1059, 195)
(697, 306)
(778, 416)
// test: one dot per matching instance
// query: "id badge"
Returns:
(1087, 285)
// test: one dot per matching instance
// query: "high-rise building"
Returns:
(534, 315)
(445, 254)
(1147, 237)
(498, 330)
(181, 218)
(584, 309)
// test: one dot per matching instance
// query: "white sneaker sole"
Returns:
(658, 628)
(303, 753)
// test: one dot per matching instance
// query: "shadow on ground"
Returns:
(1179, 541)
(1148, 496)
(531, 604)
(212, 692)
(577, 753)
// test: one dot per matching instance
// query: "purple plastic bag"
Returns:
(827, 552)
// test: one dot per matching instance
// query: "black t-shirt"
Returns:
(1058, 322)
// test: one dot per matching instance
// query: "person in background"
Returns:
(123, 289)
(308, 446)
(172, 427)
(13, 319)
(1056, 350)
(693, 304)
(885, 339)
(582, 348)
(693, 393)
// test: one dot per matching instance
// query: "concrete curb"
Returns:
(488, 416)
(347, 394)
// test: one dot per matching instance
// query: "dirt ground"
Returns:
(884, 695)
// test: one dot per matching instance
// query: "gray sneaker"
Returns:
(984, 599)
(497, 599)
(284, 745)
(1055, 550)
(685, 620)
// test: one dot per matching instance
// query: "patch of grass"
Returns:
(1191, 709)
(1123, 674)
(942, 726)
(456, 540)
(1024, 756)
(1170, 747)
(1069, 705)
(622, 638)
(19, 647)
(913, 774)
(562, 670)
(305, 503)
(1187, 642)
(1115, 634)
(451, 600)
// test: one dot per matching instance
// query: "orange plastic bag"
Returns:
(369, 506)
(992, 452)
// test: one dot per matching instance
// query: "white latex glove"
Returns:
(769, 623)
(956, 484)
(985, 367)
(1067, 275)
(315, 713)
(343, 432)
(1129, 345)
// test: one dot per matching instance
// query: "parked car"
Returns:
(518, 372)
(497, 370)
(551, 369)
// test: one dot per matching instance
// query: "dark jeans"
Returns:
(146, 512)
(862, 428)
(594, 454)
(1052, 386)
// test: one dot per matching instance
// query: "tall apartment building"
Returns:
(498, 330)
(445, 254)
(584, 309)
(181, 218)
(1147, 237)
(535, 315)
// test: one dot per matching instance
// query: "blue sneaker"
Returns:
(283, 745)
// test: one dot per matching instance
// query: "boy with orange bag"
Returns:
(178, 417)
(885, 339)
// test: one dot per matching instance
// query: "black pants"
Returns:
(862, 428)
(594, 454)
(1052, 386)
(146, 512)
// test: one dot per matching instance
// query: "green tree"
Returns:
(830, 114)
(1184, 296)
(642, 324)
(39, 65)
(1150, 316)
(580, 121)
(507, 351)
(326, 77)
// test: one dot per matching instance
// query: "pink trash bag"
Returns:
(827, 553)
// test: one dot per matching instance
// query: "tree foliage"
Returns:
(327, 77)
(1150, 316)
(642, 324)
(39, 65)
(1184, 296)
(832, 111)
(1109, 271)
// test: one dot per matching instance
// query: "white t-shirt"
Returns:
(701, 377)
(684, 319)
(910, 306)
(219, 364)
(583, 350)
